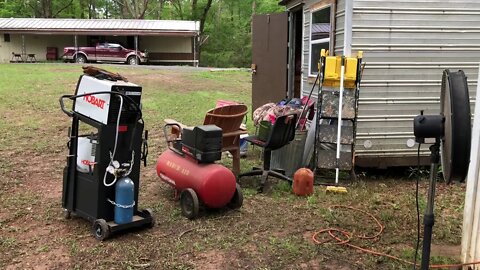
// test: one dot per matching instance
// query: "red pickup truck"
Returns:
(104, 52)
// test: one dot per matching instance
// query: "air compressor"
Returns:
(106, 143)
(188, 165)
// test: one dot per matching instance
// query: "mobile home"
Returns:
(406, 45)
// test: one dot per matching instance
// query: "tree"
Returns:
(133, 9)
(14, 9)
(229, 28)
(226, 23)
(48, 8)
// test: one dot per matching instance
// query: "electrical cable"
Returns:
(418, 208)
(308, 99)
(349, 236)
(121, 96)
(112, 155)
(118, 125)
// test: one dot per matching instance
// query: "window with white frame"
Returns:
(320, 32)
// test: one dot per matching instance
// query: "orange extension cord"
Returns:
(348, 236)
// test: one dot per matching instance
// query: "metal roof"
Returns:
(99, 26)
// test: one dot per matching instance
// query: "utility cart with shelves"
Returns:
(335, 130)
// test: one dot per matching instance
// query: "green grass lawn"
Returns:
(271, 231)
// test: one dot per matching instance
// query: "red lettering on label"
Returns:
(88, 162)
(94, 101)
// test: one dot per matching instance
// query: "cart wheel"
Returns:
(67, 214)
(149, 212)
(237, 199)
(189, 203)
(101, 231)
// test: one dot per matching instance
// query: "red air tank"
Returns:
(214, 184)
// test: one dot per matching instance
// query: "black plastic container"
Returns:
(204, 143)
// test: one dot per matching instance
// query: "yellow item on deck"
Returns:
(333, 189)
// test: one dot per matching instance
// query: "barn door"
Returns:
(269, 58)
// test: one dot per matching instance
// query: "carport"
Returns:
(167, 41)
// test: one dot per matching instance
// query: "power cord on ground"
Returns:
(333, 233)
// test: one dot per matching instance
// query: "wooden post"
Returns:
(195, 51)
(76, 48)
(24, 51)
(471, 213)
(136, 50)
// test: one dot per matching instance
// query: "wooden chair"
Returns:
(228, 118)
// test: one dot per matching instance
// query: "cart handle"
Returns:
(169, 145)
(62, 105)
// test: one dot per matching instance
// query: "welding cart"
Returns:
(105, 135)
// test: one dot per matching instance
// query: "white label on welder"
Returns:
(94, 106)
(129, 93)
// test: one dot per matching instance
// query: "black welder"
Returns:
(101, 179)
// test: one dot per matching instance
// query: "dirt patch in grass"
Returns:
(216, 259)
(449, 251)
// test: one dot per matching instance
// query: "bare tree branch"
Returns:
(145, 5)
(63, 8)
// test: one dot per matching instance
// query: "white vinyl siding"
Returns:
(406, 44)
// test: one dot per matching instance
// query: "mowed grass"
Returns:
(271, 231)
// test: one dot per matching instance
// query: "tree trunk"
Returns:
(203, 18)
(160, 9)
(47, 8)
(94, 10)
(194, 10)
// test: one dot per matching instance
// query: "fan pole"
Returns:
(428, 217)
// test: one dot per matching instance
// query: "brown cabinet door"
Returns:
(269, 58)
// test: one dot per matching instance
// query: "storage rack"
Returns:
(328, 104)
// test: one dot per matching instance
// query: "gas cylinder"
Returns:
(303, 182)
(214, 184)
(124, 200)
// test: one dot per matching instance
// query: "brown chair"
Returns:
(228, 118)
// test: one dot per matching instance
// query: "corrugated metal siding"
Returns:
(97, 24)
(407, 44)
